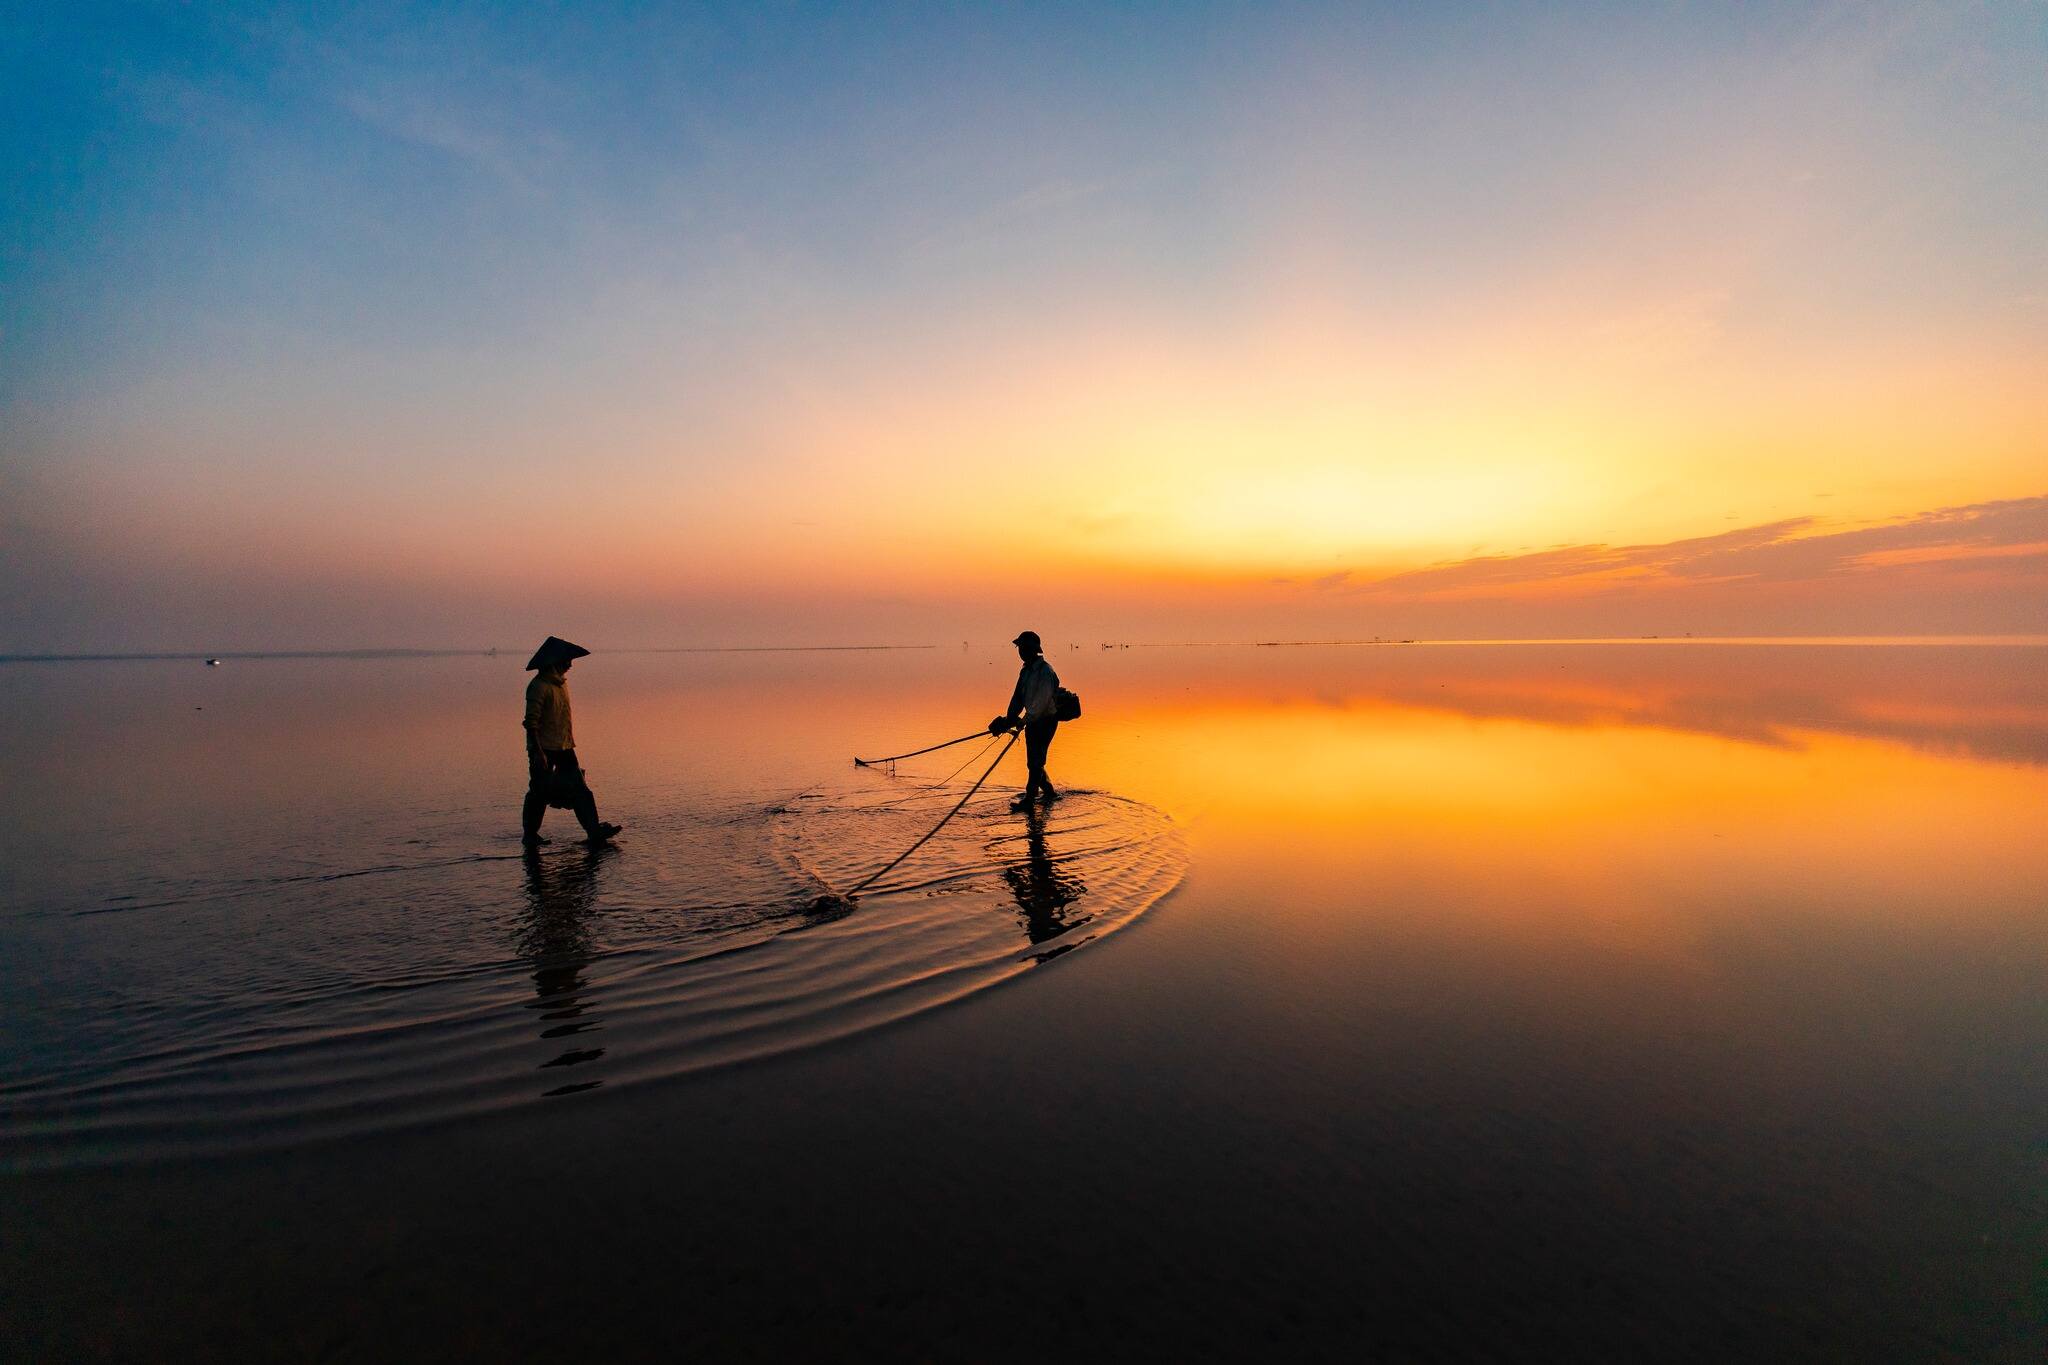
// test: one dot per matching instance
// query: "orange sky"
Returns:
(1391, 323)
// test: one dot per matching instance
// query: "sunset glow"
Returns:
(1220, 328)
(1207, 681)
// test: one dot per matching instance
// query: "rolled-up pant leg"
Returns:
(1037, 740)
(535, 807)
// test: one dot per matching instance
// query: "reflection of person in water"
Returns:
(1042, 890)
(554, 937)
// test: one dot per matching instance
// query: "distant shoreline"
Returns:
(2020, 641)
(2015, 640)
(197, 656)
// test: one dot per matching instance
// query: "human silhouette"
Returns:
(1041, 889)
(1033, 706)
(554, 778)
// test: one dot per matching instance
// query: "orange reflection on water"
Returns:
(1627, 804)
(1624, 798)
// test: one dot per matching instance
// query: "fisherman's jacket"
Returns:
(1036, 685)
(547, 710)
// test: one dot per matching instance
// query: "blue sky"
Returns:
(270, 270)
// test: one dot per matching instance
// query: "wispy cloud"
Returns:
(2010, 535)
(1678, 327)
(1020, 212)
(413, 116)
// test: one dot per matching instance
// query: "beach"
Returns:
(1357, 682)
(1631, 1002)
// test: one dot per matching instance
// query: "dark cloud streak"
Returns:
(1774, 552)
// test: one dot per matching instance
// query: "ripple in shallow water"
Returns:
(300, 1002)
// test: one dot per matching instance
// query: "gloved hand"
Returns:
(999, 725)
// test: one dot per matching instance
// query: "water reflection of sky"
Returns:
(339, 834)
(1982, 701)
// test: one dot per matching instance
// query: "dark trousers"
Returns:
(1037, 739)
(537, 780)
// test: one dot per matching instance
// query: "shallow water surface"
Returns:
(1689, 902)
(290, 902)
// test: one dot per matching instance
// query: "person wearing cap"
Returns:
(1032, 705)
(554, 778)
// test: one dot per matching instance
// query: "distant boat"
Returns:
(213, 663)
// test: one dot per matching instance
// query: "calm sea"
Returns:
(284, 899)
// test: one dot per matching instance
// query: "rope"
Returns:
(873, 877)
(972, 758)
(924, 789)
(871, 762)
(782, 806)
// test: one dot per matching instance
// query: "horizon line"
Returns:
(174, 656)
(411, 653)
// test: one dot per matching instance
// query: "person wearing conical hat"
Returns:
(554, 778)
